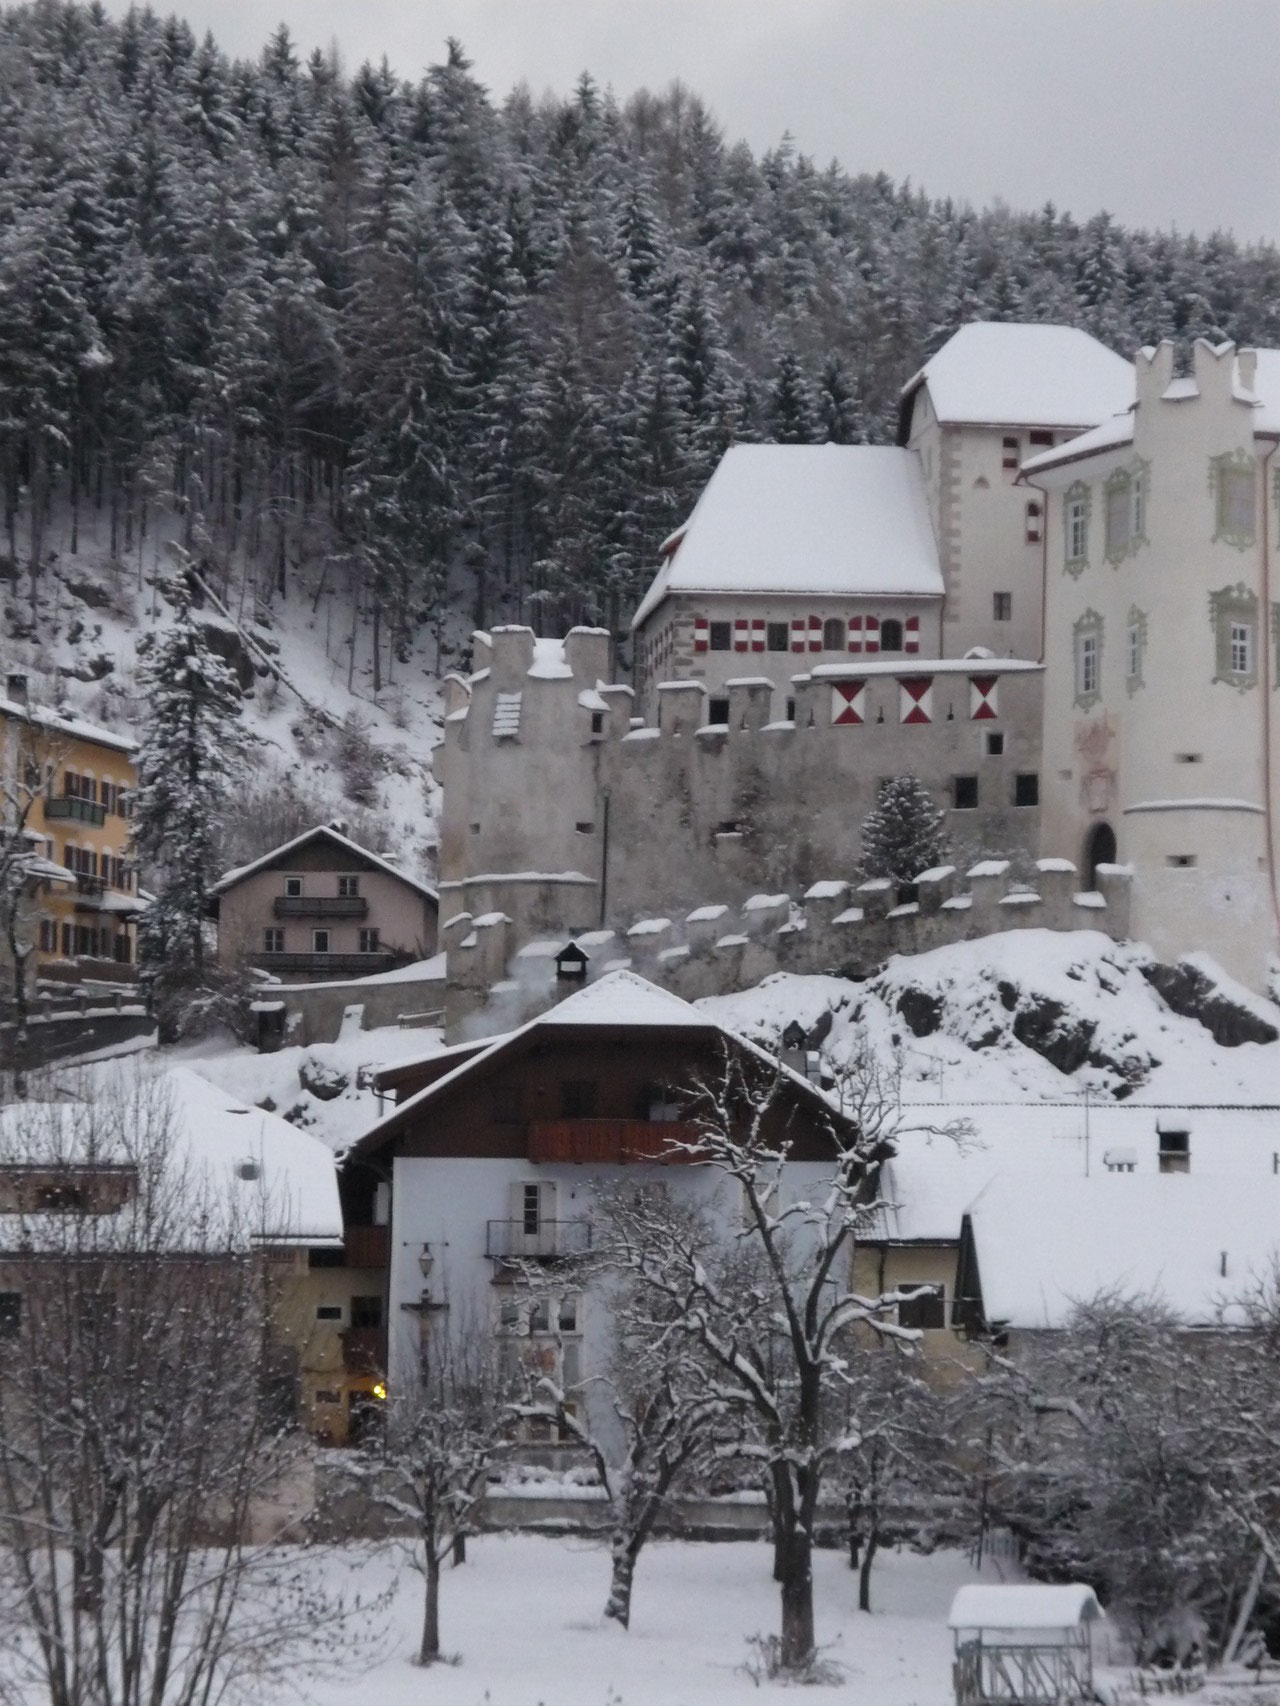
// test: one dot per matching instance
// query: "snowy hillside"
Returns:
(323, 734)
(1037, 1013)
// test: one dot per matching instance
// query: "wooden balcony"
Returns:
(611, 1141)
(320, 906)
(367, 1246)
(326, 965)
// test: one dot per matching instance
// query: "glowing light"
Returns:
(380, 1391)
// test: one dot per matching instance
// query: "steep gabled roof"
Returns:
(999, 373)
(41, 717)
(324, 832)
(821, 519)
(620, 1000)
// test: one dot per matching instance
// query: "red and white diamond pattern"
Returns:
(848, 703)
(982, 698)
(915, 699)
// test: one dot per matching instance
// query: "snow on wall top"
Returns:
(806, 518)
(994, 373)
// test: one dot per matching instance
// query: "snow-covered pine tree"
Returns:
(193, 750)
(791, 408)
(905, 833)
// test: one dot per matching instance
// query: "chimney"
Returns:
(1153, 371)
(1215, 368)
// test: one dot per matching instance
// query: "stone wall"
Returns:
(496, 979)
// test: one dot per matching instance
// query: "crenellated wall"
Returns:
(498, 978)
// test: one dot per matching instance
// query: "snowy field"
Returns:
(523, 1619)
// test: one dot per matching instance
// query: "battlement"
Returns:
(496, 978)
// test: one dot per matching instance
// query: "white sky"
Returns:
(1162, 111)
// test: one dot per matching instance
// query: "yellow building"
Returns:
(67, 786)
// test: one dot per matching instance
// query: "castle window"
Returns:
(585, 828)
(777, 637)
(1009, 452)
(995, 744)
(891, 635)
(720, 636)
(964, 793)
(1035, 522)
(833, 635)
(718, 711)
(597, 722)
(1233, 612)
(1087, 639)
(1232, 481)
(1026, 789)
(1002, 606)
(1076, 520)
(1119, 517)
(1135, 649)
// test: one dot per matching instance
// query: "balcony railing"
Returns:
(330, 965)
(79, 811)
(610, 1140)
(367, 1246)
(320, 906)
(548, 1241)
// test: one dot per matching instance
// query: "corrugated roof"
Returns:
(826, 519)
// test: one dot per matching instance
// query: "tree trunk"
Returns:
(618, 1605)
(36, 540)
(431, 1610)
(797, 1600)
(458, 1550)
(864, 1574)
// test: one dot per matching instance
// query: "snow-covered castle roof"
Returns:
(805, 519)
(998, 373)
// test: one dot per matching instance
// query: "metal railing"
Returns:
(332, 965)
(78, 810)
(320, 906)
(549, 1240)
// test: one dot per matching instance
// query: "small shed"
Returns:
(1023, 1644)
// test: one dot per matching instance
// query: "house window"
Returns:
(348, 888)
(1026, 789)
(366, 1312)
(1233, 612)
(777, 638)
(1002, 603)
(578, 1098)
(1034, 522)
(567, 1314)
(995, 743)
(1009, 453)
(964, 793)
(319, 941)
(48, 936)
(1088, 658)
(1076, 518)
(10, 1314)
(720, 636)
(891, 635)
(273, 941)
(293, 887)
(539, 1310)
(926, 1308)
(718, 711)
(833, 634)
(369, 942)
(1232, 478)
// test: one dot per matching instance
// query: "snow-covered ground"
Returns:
(523, 1617)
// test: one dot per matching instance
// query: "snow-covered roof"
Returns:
(326, 831)
(799, 519)
(619, 998)
(291, 1196)
(1053, 1224)
(1023, 1605)
(999, 373)
(73, 727)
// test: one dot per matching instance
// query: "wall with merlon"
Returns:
(495, 980)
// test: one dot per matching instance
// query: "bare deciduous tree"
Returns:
(139, 1443)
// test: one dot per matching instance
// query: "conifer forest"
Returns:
(486, 348)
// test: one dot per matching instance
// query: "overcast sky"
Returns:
(1162, 111)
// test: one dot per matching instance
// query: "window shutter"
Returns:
(757, 636)
(815, 633)
(699, 633)
(797, 634)
(873, 633)
(912, 640)
(740, 631)
(855, 633)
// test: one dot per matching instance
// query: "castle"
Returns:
(1045, 602)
